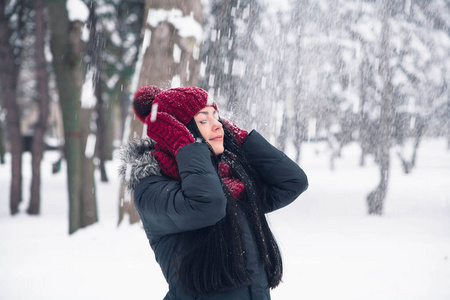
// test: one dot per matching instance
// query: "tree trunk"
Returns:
(124, 106)
(284, 132)
(375, 199)
(160, 68)
(300, 111)
(110, 121)
(2, 143)
(95, 51)
(88, 211)
(126, 207)
(37, 148)
(101, 130)
(288, 86)
(409, 165)
(300, 134)
(9, 74)
(66, 49)
(363, 118)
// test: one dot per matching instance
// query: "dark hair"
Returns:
(211, 258)
(193, 128)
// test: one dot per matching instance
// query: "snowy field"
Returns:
(332, 249)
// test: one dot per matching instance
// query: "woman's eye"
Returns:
(203, 122)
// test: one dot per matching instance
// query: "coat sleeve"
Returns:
(168, 206)
(283, 180)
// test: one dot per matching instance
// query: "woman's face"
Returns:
(207, 120)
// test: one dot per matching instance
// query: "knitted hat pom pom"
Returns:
(143, 99)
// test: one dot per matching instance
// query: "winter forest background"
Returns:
(356, 91)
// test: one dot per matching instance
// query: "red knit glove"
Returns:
(168, 132)
(239, 134)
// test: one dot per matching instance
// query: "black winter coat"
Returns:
(168, 207)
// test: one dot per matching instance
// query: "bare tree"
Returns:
(375, 199)
(9, 72)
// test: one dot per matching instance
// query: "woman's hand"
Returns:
(238, 133)
(168, 132)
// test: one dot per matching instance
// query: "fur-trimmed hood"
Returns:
(137, 162)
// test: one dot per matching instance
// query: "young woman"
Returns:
(202, 187)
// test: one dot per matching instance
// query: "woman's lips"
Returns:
(217, 138)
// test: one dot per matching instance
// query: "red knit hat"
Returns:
(182, 103)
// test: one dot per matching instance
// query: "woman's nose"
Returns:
(217, 124)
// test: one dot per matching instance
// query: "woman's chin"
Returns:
(218, 149)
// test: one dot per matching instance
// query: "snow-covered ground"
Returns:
(332, 249)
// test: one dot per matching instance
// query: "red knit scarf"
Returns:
(235, 186)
